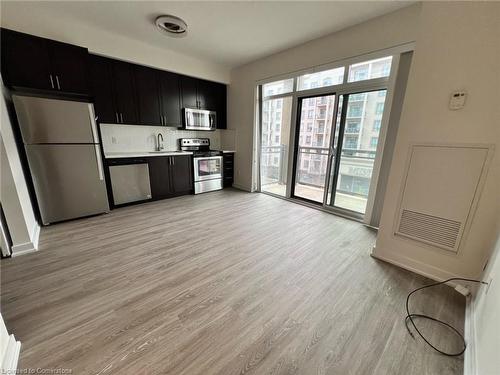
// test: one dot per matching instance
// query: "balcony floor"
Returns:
(343, 200)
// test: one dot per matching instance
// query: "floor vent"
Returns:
(430, 229)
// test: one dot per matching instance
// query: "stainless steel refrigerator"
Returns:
(62, 146)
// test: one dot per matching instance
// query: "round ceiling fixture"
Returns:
(171, 25)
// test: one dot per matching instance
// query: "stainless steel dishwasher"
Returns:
(129, 180)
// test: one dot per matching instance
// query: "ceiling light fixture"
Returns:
(171, 25)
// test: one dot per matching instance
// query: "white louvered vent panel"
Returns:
(440, 190)
(431, 229)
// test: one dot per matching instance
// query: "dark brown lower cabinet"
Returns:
(228, 164)
(170, 176)
(181, 174)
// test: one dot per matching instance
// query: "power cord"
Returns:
(409, 317)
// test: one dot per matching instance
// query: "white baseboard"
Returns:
(28, 247)
(412, 265)
(470, 362)
(11, 356)
(35, 235)
(23, 248)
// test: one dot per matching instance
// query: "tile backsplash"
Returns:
(139, 138)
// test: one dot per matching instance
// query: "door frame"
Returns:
(295, 145)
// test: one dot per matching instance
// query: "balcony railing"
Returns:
(315, 173)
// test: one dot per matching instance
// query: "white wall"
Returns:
(14, 195)
(382, 32)
(457, 47)
(486, 318)
(17, 16)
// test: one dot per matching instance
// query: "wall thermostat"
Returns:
(457, 100)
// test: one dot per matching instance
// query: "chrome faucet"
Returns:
(159, 145)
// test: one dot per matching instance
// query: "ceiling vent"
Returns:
(171, 25)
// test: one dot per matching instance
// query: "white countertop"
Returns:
(228, 151)
(142, 154)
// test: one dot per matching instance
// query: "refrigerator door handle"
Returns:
(99, 162)
(93, 123)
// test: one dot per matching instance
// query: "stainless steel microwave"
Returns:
(199, 119)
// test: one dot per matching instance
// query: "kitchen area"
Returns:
(95, 133)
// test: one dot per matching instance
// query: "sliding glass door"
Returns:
(337, 148)
(319, 134)
(352, 166)
(312, 146)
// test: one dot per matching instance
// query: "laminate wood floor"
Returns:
(221, 283)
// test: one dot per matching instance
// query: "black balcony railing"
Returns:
(312, 174)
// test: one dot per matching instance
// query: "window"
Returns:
(351, 142)
(373, 142)
(357, 97)
(310, 114)
(379, 109)
(381, 94)
(277, 139)
(377, 68)
(352, 126)
(321, 79)
(308, 140)
(355, 110)
(278, 87)
(360, 74)
(278, 116)
(376, 125)
(319, 140)
(306, 164)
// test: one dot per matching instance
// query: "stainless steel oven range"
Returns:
(207, 164)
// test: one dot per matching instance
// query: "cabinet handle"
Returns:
(51, 81)
(117, 119)
(121, 117)
(162, 120)
(58, 85)
(173, 160)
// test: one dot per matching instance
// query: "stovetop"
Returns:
(200, 147)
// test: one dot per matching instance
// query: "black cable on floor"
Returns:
(409, 317)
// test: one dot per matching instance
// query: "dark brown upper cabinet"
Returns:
(114, 91)
(124, 92)
(148, 95)
(221, 105)
(170, 98)
(158, 97)
(207, 95)
(189, 89)
(202, 94)
(30, 62)
(101, 89)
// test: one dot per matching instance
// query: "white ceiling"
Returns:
(227, 33)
